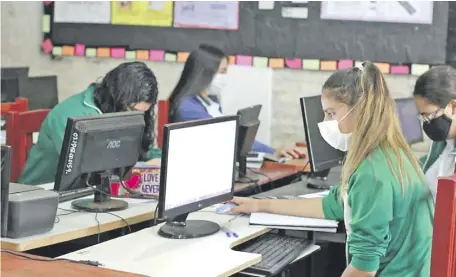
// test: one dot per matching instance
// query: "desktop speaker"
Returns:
(31, 212)
(4, 187)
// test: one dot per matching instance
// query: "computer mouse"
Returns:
(223, 209)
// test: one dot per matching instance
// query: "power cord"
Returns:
(86, 262)
(96, 218)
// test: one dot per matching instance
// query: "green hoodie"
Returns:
(42, 161)
(388, 231)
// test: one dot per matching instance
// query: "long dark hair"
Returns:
(437, 85)
(127, 84)
(200, 68)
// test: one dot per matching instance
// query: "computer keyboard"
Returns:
(74, 194)
(277, 251)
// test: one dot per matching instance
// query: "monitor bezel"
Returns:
(330, 164)
(418, 140)
(195, 206)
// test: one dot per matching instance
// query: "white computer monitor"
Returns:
(198, 170)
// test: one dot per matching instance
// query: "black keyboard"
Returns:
(74, 194)
(276, 251)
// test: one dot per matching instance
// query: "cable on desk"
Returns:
(86, 262)
(123, 219)
(262, 174)
(155, 215)
(98, 226)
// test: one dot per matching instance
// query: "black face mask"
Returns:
(438, 128)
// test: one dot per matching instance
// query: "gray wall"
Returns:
(21, 36)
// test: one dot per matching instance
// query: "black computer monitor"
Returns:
(9, 89)
(4, 187)
(197, 170)
(96, 150)
(248, 129)
(322, 156)
(41, 92)
(13, 82)
(408, 118)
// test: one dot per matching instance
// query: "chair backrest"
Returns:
(19, 105)
(19, 135)
(443, 260)
(163, 109)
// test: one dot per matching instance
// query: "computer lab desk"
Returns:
(146, 253)
(81, 224)
(14, 266)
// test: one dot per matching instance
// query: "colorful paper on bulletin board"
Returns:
(143, 13)
(222, 15)
(98, 12)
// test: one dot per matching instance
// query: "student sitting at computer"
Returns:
(129, 86)
(197, 94)
(435, 98)
(383, 197)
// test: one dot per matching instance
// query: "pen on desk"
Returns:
(228, 232)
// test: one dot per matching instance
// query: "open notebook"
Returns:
(293, 222)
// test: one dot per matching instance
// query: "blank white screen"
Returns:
(200, 163)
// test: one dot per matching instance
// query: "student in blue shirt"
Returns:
(197, 94)
(435, 97)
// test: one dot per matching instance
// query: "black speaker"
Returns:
(4, 187)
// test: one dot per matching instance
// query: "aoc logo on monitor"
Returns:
(113, 144)
(73, 145)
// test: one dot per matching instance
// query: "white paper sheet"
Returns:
(315, 195)
(267, 219)
(208, 14)
(418, 12)
(295, 12)
(265, 5)
(82, 12)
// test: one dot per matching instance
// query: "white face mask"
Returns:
(217, 85)
(331, 133)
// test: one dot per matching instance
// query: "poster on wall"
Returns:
(142, 13)
(223, 15)
(98, 12)
(415, 12)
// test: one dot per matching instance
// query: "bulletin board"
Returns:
(295, 34)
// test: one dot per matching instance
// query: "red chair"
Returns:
(162, 119)
(19, 105)
(19, 135)
(443, 259)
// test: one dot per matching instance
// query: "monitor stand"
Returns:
(102, 201)
(181, 228)
(241, 173)
(319, 180)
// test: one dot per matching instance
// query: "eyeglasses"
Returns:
(426, 118)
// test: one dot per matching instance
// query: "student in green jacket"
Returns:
(383, 197)
(129, 86)
(435, 97)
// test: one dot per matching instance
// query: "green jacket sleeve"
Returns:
(55, 128)
(154, 153)
(332, 206)
(371, 205)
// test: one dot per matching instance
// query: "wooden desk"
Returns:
(145, 252)
(81, 224)
(14, 266)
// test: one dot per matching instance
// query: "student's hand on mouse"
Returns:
(154, 162)
(245, 205)
(290, 153)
